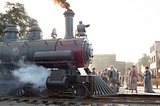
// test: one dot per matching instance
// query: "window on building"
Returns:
(152, 48)
(155, 72)
(154, 58)
(150, 60)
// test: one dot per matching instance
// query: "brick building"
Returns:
(103, 61)
(155, 58)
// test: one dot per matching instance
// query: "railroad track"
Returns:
(99, 101)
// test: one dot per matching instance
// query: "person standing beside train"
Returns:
(117, 77)
(127, 77)
(93, 72)
(123, 80)
(147, 81)
(104, 75)
(129, 80)
(133, 78)
(112, 76)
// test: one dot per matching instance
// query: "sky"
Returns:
(126, 28)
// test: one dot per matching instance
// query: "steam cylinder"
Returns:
(67, 55)
(63, 84)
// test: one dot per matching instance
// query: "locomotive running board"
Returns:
(100, 88)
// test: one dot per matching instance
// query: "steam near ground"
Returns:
(31, 73)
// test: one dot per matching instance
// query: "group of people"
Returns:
(111, 75)
(131, 78)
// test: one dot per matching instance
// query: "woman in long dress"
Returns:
(147, 81)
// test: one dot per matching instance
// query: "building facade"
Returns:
(155, 58)
(103, 61)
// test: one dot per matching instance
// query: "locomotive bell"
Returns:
(54, 33)
(11, 34)
(69, 23)
(35, 32)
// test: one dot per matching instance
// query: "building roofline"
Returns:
(154, 43)
(121, 61)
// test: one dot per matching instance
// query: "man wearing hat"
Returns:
(133, 77)
(93, 72)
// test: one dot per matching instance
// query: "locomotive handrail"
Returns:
(55, 62)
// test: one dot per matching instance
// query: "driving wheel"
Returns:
(19, 91)
(44, 93)
(79, 91)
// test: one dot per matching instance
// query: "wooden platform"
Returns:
(140, 89)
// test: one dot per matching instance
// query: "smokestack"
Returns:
(68, 23)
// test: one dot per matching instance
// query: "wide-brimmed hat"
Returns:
(93, 68)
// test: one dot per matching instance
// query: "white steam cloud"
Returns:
(31, 73)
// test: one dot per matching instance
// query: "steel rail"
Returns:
(103, 100)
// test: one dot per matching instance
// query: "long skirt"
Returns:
(148, 86)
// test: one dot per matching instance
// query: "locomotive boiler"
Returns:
(62, 56)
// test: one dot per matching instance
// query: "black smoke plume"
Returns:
(63, 3)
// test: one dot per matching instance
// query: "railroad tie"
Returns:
(21, 100)
(39, 102)
(31, 101)
(94, 104)
(3, 99)
(66, 104)
(78, 104)
(10, 100)
(49, 102)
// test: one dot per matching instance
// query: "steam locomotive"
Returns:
(62, 56)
